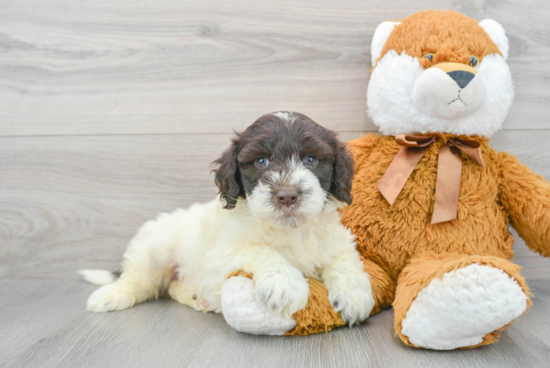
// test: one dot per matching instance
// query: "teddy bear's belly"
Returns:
(391, 235)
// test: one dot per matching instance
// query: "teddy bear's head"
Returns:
(439, 72)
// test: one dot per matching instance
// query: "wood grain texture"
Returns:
(111, 112)
(74, 203)
(170, 66)
(42, 324)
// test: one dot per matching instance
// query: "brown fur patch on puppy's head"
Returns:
(282, 142)
(448, 35)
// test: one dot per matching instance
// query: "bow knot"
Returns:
(449, 168)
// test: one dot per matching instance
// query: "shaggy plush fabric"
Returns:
(458, 308)
(450, 36)
(391, 235)
(382, 33)
(318, 315)
(400, 245)
(452, 284)
(408, 94)
(242, 312)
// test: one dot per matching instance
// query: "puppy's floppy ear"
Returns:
(227, 177)
(342, 179)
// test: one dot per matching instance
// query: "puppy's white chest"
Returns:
(301, 249)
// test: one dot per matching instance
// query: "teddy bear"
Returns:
(432, 200)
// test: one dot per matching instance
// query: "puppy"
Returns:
(281, 184)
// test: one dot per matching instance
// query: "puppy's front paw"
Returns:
(109, 298)
(352, 298)
(285, 291)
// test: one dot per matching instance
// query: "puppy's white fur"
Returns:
(191, 252)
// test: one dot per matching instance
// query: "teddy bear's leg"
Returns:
(454, 301)
(245, 314)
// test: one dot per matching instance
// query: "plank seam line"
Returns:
(205, 133)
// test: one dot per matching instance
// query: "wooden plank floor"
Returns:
(111, 112)
(43, 325)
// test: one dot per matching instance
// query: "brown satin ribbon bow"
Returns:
(449, 168)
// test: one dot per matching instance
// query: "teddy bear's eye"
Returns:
(473, 61)
(429, 56)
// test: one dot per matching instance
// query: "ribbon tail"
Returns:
(447, 187)
(472, 149)
(398, 172)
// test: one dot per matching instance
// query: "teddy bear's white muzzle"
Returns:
(448, 95)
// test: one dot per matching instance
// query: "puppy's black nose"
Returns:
(287, 197)
(461, 77)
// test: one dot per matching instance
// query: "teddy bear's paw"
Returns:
(245, 313)
(462, 307)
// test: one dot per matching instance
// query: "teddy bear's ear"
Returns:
(497, 34)
(379, 39)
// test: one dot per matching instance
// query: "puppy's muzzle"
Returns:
(287, 197)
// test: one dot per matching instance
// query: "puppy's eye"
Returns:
(262, 162)
(310, 160)
(473, 61)
(429, 56)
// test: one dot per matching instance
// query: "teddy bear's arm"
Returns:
(526, 198)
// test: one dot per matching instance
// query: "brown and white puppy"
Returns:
(281, 183)
(267, 163)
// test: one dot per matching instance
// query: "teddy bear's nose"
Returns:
(461, 77)
(462, 74)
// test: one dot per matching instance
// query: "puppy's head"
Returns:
(287, 167)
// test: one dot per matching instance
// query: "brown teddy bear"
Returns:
(432, 200)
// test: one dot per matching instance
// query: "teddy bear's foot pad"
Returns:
(244, 313)
(462, 307)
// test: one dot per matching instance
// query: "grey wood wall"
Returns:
(111, 111)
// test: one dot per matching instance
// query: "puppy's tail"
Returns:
(99, 277)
